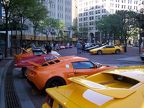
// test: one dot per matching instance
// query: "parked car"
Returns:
(119, 88)
(87, 45)
(37, 56)
(107, 49)
(55, 72)
(1, 54)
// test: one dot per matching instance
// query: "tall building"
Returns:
(74, 12)
(60, 9)
(57, 9)
(90, 11)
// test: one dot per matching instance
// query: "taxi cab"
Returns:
(119, 88)
(107, 49)
(56, 72)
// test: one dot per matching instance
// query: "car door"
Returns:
(84, 68)
(108, 49)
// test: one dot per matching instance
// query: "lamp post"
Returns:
(5, 4)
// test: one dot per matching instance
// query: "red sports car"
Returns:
(38, 56)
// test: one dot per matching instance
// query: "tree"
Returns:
(19, 11)
(119, 24)
(36, 15)
(50, 26)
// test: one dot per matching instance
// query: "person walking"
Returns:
(78, 46)
(48, 49)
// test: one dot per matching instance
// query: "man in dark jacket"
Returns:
(48, 49)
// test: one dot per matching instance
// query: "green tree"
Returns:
(36, 15)
(19, 11)
(119, 24)
(48, 24)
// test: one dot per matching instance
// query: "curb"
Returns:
(24, 99)
(2, 82)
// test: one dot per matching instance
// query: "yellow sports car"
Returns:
(119, 88)
(107, 49)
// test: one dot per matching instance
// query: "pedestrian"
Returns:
(48, 49)
(78, 46)
(57, 47)
(83, 47)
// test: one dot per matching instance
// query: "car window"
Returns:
(38, 52)
(83, 65)
(109, 46)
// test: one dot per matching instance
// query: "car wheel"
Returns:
(117, 51)
(99, 52)
(54, 82)
(23, 71)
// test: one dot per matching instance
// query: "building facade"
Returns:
(90, 11)
(61, 10)
(57, 9)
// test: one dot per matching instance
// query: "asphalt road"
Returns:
(32, 98)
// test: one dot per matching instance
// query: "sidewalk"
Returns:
(5, 65)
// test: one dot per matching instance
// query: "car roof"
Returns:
(72, 58)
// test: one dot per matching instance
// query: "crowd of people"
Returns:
(57, 46)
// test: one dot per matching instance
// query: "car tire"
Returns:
(99, 52)
(23, 71)
(117, 51)
(54, 82)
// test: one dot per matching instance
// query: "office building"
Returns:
(90, 11)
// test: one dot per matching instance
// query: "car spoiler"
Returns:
(109, 91)
(34, 64)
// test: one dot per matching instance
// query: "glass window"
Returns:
(38, 52)
(109, 47)
(83, 65)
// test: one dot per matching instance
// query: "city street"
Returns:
(31, 98)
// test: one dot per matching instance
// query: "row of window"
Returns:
(117, 1)
(88, 28)
(91, 18)
(92, 12)
(87, 23)
(112, 6)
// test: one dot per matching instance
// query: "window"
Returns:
(38, 52)
(109, 47)
(103, 10)
(85, 18)
(83, 65)
(91, 18)
(97, 12)
(91, 23)
(91, 13)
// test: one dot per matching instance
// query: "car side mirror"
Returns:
(98, 65)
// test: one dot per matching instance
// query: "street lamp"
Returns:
(5, 4)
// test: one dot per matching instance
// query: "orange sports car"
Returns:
(56, 72)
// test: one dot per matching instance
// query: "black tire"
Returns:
(99, 52)
(23, 71)
(54, 82)
(117, 51)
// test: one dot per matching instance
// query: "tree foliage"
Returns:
(122, 23)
